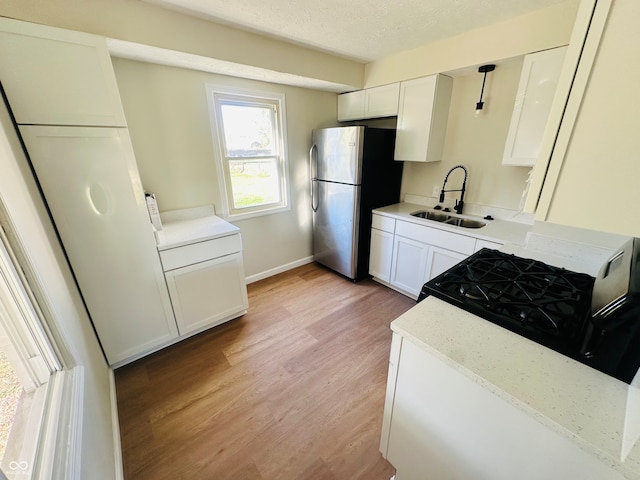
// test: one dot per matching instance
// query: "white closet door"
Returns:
(92, 187)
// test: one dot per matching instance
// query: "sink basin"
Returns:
(438, 217)
(465, 222)
(448, 219)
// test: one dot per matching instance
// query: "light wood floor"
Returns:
(294, 389)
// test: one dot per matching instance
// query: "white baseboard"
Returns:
(280, 269)
(117, 446)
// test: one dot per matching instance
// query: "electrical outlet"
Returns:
(436, 191)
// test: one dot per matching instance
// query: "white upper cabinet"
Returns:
(423, 111)
(373, 102)
(536, 90)
(381, 101)
(351, 106)
(58, 77)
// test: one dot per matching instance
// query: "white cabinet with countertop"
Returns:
(375, 102)
(423, 110)
(406, 251)
(467, 398)
(442, 424)
(421, 253)
(58, 77)
(536, 91)
(202, 260)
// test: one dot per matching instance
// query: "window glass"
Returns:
(248, 134)
(248, 131)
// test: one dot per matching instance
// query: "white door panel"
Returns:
(91, 185)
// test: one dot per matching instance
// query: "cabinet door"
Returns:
(536, 91)
(351, 105)
(409, 265)
(208, 293)
(441, 260)
(91, 185)
(382, 101)
(58, 77)
(423, 111)
(381, 253)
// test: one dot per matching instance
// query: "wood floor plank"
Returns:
(292, 390)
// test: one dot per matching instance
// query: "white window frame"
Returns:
(258, 98)
(52, 434)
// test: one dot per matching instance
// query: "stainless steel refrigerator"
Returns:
(352, 172)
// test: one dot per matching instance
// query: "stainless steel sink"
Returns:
(435, 216)
(448, 219)
(465, 222)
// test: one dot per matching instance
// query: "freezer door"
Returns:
(335, 227)
(338, 154)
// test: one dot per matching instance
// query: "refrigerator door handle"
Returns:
(312, 174)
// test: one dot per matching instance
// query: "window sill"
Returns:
(46, 441)
(243, 216)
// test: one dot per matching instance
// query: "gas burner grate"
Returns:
(545, 303)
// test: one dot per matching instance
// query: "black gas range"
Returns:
(595, 321)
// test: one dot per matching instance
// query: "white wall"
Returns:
(167, 114)
(70, 322)
(476, 142)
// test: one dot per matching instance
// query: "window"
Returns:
(41, 413)
(248, 131)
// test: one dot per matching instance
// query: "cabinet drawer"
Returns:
(383, 223)
(200, 252)
(436, 237)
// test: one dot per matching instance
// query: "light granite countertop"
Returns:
(597, 412)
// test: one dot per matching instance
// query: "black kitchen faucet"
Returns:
(460, 203)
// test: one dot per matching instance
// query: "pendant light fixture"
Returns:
(483, 69)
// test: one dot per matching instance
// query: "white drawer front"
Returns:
(436, 237)
(383, 223)
(200, 252)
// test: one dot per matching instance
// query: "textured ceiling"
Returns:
(362, 30)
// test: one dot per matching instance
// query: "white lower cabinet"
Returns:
(206, 282)
(207, 293)
(440, 260)
(438, 423)
(381, 250)
(409, 265)
(381, 254)
(405, 255)
(421, 253)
